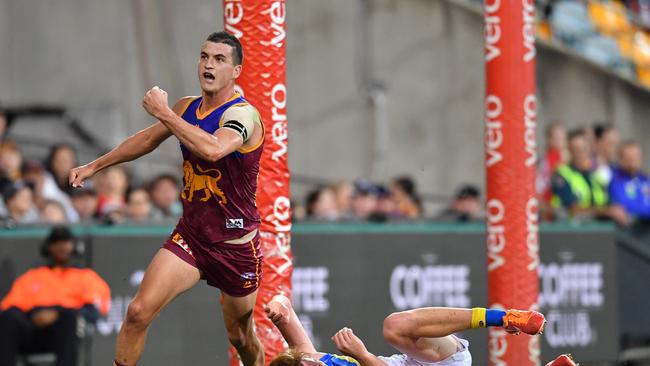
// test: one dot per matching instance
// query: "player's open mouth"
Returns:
(208, 76)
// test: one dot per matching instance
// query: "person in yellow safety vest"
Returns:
(575, 187)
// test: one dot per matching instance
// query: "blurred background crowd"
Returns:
(584, 174)
(589, 173)
(35, 190)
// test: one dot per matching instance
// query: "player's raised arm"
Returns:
(135, 146)
(351, 345)
(281, 313)
(210, 147)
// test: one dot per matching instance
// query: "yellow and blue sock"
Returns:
(482, 317)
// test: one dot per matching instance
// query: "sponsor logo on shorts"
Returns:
(178, 240)
(248, 275)
(234, 223)
(248, 284)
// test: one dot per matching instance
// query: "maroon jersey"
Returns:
(218, 197)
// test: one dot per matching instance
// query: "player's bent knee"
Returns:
(394, 327)
(241, 337)
(237, 340)
(137, 314)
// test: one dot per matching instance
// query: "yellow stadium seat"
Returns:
(643, 74)
(626, 44)
(641, 49)
(544, 30)
(609, 17)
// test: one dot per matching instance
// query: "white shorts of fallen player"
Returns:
(462, 357)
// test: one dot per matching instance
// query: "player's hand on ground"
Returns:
(155, 102)
(78, 175)
(277, 312)
(45, 317)
(348, 343)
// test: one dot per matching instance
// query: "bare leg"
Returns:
(166, 277)
(425, 334)
(238, 317)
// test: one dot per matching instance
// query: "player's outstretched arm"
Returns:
(135, 146)
(281, 313)
(351, 345)
(210, 147)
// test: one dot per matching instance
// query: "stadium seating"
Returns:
(604, 31)
(640, 55)
(570, 23)
(609, 18)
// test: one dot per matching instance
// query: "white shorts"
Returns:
(461, 358)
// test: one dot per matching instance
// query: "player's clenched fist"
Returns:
(348, 343)
(155, 102)
(78, 175)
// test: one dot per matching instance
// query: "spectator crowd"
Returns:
(584, 174)
(37, 192)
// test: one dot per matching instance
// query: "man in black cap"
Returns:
(466, 206)
(40, 312)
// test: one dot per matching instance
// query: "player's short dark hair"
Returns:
(230, 40)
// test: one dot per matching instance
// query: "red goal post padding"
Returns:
(260, 26)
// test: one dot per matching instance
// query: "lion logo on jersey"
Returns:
(197, 182)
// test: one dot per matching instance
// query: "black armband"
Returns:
(237, 127)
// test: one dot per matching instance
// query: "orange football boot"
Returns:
(563, 360)
(527, 321)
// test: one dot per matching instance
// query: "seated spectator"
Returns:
(575, 188)
(405, 194)
(11, 161)
(19, 202)
(84, 201)
(61, 159)
(32, 174)
(364, 199)
(344, 192)
(556, 154)
(52, 212)
(165, 191)
(45, 189)
(467, 206)
(606, 142)
(629, 190)
(321, 205)
(40, 312)
(298, 211)
(4, 124)
(138, 205)
(386, 206)
(111, 184)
